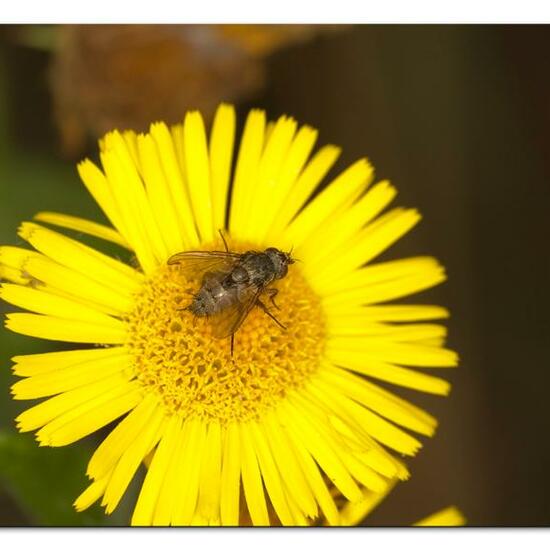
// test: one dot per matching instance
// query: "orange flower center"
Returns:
(195, 374)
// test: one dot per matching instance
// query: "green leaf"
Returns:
(45, 482)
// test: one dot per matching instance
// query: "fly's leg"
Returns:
(223, 239)
(272, 293)
(264, 308)
(232, 343)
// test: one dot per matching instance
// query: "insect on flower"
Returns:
(232, 284)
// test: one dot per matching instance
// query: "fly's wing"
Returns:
(195, 264)
(228, 321)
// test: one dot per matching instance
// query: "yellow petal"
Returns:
(17, 258)
(269, 169)
(353, 512)
(246, 172)
(45, 303)
(378, 400)
(306, 428)
(98, 186)
(65, 330)
(211, 471)
(291, 167)
(130, 139)
(221, 153)
(129, 195)
(299, 518)
(331, 414)
(361, 446)
(310, 471)
(375, 278)
(175, 178)
(91, 494)
(177, 135)
(448, 517)
(252, 479)
(89, 416)
(187, 483)
(230, 481)
(13, 275)
(367, 245)
(122, 154)
(159, 195)
(82, 226)
(413, 332)
(390, 373)
(344, 225)
(69, 282)
(61, 404)
(167, 491)
(365, 425)
(351, 428)
(396, 313)
(293, 477)
(158, 471)
(366, 349)
(308, 180)
(338, 193)
(390, 290)
(71, 377)
(131, 459)
(363, 473)
(270, 475)
(42, 363)
(198, 174)
(120, 438)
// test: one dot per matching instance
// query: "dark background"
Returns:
(458, 118)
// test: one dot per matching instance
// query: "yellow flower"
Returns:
(289, 430)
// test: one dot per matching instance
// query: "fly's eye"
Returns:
(283, 270)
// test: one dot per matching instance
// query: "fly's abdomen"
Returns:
(211, 299)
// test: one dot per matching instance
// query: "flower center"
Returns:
(194, 374)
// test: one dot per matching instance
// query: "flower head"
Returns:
(289, 429)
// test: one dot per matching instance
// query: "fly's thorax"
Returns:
(239, 275)
(259, 267)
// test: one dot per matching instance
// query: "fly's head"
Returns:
(280, 260)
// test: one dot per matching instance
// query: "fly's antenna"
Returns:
(289, 254)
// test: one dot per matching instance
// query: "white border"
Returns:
(276, 539)
(279, 11)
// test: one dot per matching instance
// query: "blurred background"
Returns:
(457, 117)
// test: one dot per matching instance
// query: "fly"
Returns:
(232, 284)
